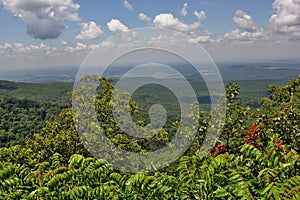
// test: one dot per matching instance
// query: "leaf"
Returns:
(267, 188)
(221, 193)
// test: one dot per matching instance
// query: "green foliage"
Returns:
(39, 92)
(58, 136)
(20, 119)
(257, 157)
(250, 175)
(280, 114)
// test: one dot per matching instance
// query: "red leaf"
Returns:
(278, 144)
(254, 128)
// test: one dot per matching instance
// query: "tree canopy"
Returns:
(256, 156)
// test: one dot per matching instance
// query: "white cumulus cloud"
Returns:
(89, 31)
(127, 5)
(63, 42)
(16, 48)
(45, 19)
(81, 48)
(286, 19)
(167, 20)
(244, 21)
(200, 15)
(183, 11)
(247, 31)
(144, 17)
(201, 37)
(115, 26)
(238, 35)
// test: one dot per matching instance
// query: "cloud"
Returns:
(81, 48)
(63, 42)
(237, 35)
(89, 31)
(183, 11)
(200, 15)
(84, 49)
(44, 19)
(127, 5)
(286, 19)
(167, 20)
(244, 21)
(115, 26)
(9, 48)
(107, 44)
(16, 48)
(163, 39)
(201, 37)
(144, 17)
(247, 31)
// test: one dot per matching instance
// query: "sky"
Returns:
(45, 33)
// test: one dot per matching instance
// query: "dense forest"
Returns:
(25, 108)
(256, 156)
(22, 118)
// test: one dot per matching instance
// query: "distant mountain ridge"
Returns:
(250, 71)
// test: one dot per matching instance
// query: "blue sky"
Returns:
(59, 30)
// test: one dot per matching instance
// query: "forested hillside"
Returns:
(46, 92)
(256, 156)
(25, 107)
(21, 119)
